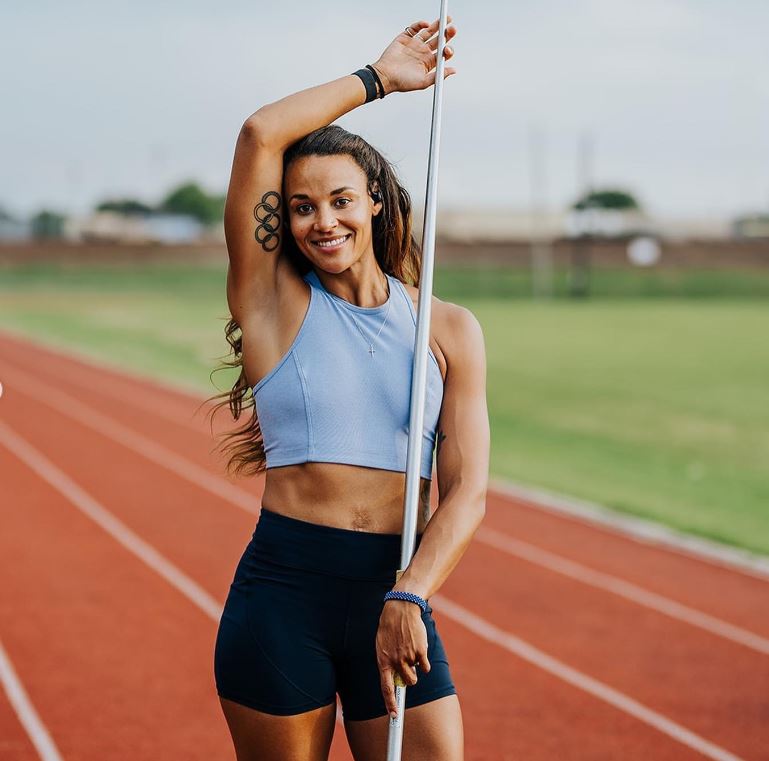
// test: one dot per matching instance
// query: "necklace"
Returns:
(370, 343)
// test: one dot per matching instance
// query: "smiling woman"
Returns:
(366, 204)
(322, 294)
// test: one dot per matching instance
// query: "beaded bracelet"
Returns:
(408, 597)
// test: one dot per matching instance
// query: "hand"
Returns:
(409, 63)
(401, 643)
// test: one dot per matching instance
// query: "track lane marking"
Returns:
(118, 530)
(71, 406)
(25, 711)
(180, 466)
(641, 530)
(90, 507)
(618, 586)
(486, 630)
(587, 513)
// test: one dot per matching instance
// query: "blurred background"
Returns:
(604, 211)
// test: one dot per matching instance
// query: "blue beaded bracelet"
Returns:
(408, 597)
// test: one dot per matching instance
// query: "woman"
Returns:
(319, 238)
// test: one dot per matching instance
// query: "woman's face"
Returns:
(330, 210)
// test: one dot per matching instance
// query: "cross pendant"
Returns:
(371, 349)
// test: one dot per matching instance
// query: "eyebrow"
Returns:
(336, 192)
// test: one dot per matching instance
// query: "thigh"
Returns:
(275, 642)
(261, 736)
(431, 732)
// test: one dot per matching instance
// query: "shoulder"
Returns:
(456, 330)
(462, 338)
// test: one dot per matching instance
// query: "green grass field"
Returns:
(651, 400)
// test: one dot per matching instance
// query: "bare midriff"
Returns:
(344, 496)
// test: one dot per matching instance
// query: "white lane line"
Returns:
(199, 597)
(159, 455)
(604, 692)
(66, 404)
(125, 390)
(76, 354)
(592, 513)
(625, 589)
(642, 530)
(90, 507)
(28, 716)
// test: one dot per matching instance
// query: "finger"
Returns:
(436, 24)
(450, 32)
(388, 690)
(424, 662)
(415, 28)
(425, 34)
(408, 673)
(447, 72)
(448, 52)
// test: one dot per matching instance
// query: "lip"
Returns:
(330, 248)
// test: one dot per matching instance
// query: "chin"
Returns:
(333, 264)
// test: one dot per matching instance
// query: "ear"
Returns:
(376, 197)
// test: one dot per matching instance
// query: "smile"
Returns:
(334, 243)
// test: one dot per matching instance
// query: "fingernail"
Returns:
(393, 714)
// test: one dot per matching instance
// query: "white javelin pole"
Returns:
(419, 374)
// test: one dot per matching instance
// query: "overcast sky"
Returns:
(103, 99)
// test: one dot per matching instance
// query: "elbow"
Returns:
(256, 130)
(480, 508)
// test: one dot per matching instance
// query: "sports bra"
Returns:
(329, 399)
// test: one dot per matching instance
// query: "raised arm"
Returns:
(255, 210)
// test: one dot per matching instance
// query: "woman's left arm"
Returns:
(462, 465)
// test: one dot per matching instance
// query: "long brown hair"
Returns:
(395, 250)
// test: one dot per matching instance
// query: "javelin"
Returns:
(419, 374)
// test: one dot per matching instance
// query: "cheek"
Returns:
(360, 220)
(298, 226)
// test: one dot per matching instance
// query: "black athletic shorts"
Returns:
(300, 622)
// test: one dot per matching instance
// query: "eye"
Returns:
(346, 200)
(302, 206)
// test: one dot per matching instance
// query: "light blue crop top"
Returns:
(329, 400)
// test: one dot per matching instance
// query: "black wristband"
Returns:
(378, 80)
(369, 83)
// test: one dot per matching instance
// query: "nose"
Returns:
(326, 220)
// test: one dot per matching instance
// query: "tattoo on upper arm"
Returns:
(267, 214)
(441, 439)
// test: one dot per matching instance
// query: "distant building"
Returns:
(112, 227)
(751, 226)
(607, 223)
(490, 225)
(496, 224)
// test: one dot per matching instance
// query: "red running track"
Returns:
(120, 535)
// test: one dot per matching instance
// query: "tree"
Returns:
(128, 206)
(191, 199)
(609, 198)
(48, 224)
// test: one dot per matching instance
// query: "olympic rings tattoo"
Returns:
(266, 213)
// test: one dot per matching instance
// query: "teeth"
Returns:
(327, 243)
